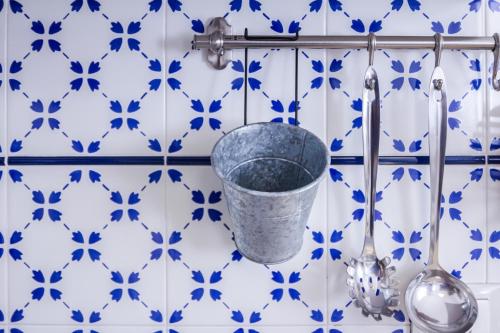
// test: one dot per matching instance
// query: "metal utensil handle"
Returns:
(371, 138)
(437, 150)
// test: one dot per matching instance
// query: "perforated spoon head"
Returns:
(372, 286)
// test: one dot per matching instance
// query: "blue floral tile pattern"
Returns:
(9, 246)
(207, 284)
(74, 105)
(4, 82)
(493, 238)
(62, 250)
(86, 247)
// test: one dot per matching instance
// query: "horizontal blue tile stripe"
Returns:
(205, 160)
(494, 159)
(407, 160)
(188, 160)
(347, 160)
(86, 160)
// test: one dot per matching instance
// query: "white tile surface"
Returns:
(273, 69)
(493, 237)
(85, 115)
(493, 255)
(278, 71)
(245, 286)
(68, 244)
(4, 247)
(3, 82)
(261, 329)
(493, 26)
(214, 87)
(376, 329)
(72, 329)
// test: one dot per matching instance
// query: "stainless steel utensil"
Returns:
(435, 300)
(370, 280)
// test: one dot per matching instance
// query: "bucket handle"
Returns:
(296, 79)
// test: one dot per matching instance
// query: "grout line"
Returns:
(487, 229)
(205, 160)
(5, 207)
(4, 93)
(487, 139)
(166, 228)
(164, 76)
(327, 236)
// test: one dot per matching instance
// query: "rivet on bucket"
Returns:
(270, 174)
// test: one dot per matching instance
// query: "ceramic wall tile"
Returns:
(149, 249)
(379, 329)
(217, 286)
(83, 328)
(81, 231)
(200, 107)
(401, 229)
(493, 236)
(84, 78)
(4, 247)
(404, 77)
(273, 99)
(493, 26)
(3, 81)
(214, 105)
(260, 329)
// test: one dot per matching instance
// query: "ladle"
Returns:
(437, 301)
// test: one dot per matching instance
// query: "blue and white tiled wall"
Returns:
(111, 219)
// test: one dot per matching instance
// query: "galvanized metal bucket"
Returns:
(270, 174)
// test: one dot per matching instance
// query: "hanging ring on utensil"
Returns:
(372, 45)
(438, 51)
(496, 62)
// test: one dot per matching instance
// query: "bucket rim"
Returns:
(314, 183)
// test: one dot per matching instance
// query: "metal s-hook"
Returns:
(372, 45)
(370, 81)
(438, 51)
(496, 62)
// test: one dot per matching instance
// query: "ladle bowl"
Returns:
(440, 302)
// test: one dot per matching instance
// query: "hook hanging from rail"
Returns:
(438, 49)
(372, 45)
(496, 62)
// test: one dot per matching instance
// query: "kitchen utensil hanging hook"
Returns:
(372, 45)
(496, 62)
(438, 49)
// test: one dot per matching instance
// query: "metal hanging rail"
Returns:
(219, 41)
(229, 42)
